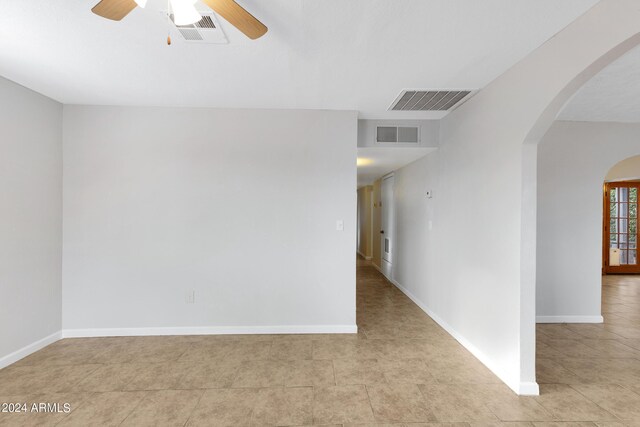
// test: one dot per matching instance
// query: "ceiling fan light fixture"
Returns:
(184, 12)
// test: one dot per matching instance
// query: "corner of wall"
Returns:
(29, 349)
(520, 388)
(528, 389)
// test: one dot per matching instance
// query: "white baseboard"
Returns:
(569, 319)
(528, 389)
(368, 258)
(29, 349)
(521, 388)
(198, 330)
(211, 330)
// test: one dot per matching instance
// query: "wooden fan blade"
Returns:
(237, 16)
(114, 9)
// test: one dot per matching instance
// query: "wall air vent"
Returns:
(400, 134)
(207, 30)
(430, 100)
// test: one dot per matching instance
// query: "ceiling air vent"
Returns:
(401, 134)
(429, 100)
(207, 30)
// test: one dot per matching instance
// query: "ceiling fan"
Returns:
(185, 13)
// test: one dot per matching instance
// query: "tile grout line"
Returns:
(67, 415)
(146, 393)
(366, 389)
(194, 408)
(595, 403)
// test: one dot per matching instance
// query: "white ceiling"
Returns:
(324, 54)
(375, 162)
(613, 95)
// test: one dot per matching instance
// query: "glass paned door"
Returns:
(621, 227)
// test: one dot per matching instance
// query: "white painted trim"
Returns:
(29, 349)
(569, 319)
(198, 330)
(367, 258)
(211, 330)
(530, 389)
(377, 267)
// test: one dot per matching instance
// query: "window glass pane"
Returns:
(613, 195)
(632, 257)
(613, 241)
(624, 210)
(624, 194)
(633, 223)
(623, 225)
(633, 210)
(623, 257)
(613, 226)
(633, 195)
(613, 210)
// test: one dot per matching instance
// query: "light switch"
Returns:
(340, 225)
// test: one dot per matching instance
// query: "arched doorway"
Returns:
(574, 161)
(620, 218)
(588, 330)
(607, 48)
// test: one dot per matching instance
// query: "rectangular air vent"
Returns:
(205, 22)
(429, 100)
(190, 34)
(400, 134)
(207, 30)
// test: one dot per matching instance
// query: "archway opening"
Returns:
(620, 218)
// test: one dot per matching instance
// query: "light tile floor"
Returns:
(401, 369)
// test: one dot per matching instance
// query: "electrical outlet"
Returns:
(190, 297)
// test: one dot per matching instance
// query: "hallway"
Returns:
(401, 369)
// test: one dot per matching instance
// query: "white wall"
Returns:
(627, 169)
(30, 220)
(468, 278)
(238, 205)
(365, 206)
(415, 252)
(573, 160)
(484, 227)
(464, 269)
(376, 223)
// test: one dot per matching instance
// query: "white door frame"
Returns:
(387, 224)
